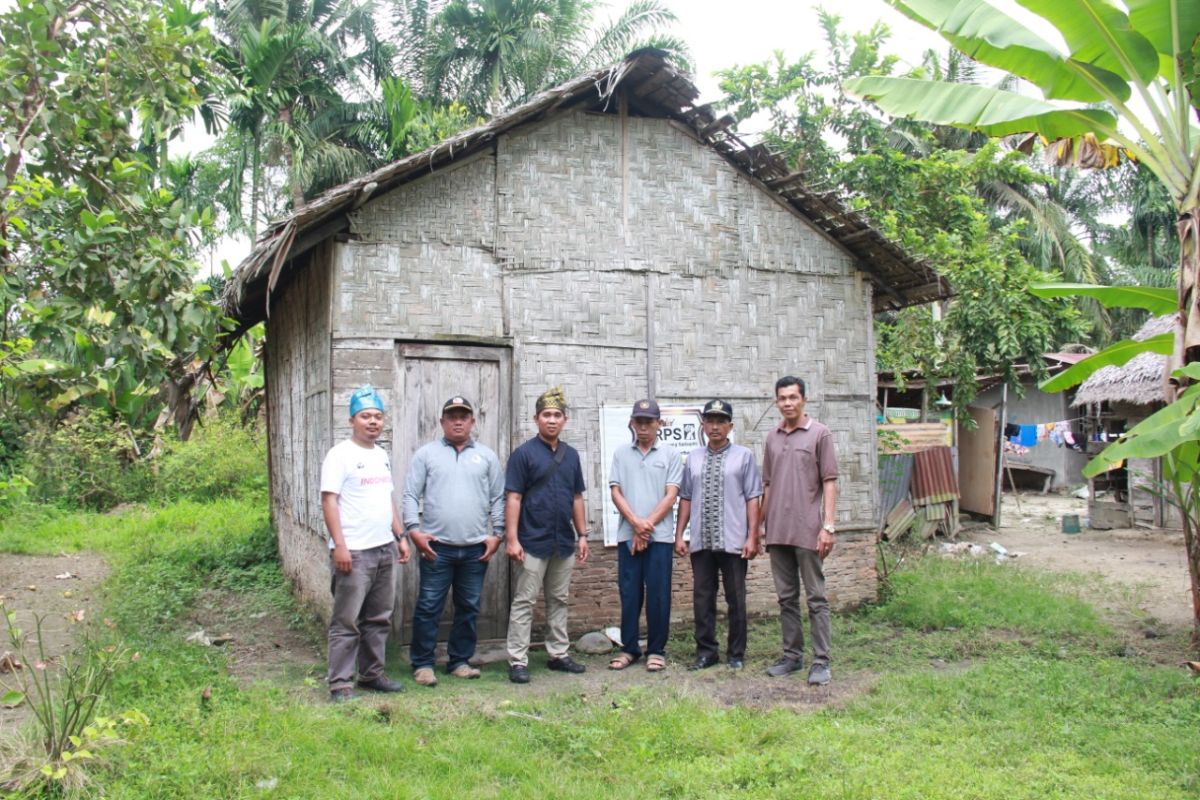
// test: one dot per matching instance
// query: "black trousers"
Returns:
(706, 566)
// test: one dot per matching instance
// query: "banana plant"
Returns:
(1127, 85)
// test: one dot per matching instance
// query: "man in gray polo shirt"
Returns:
(799, 511)
(644, 481)
(456, 532)
(719, 498)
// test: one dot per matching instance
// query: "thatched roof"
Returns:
(652, 87)
(1139, 381)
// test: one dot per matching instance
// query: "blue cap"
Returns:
(363, 398)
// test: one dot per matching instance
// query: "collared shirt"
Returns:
(796, 465)
(463, 492)
(547, 492)
(740, 483)
(644, 478)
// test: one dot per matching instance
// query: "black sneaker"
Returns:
(342, 696)
(382, 684)
(565, 664)
(818, 675)
(735, 663)
(703, 662)
(785, 666)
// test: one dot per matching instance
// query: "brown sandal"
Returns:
(621, 660)
(656, 663)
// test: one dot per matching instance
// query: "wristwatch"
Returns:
(829, 527)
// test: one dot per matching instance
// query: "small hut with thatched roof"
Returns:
(611, 236)
(1117, 398)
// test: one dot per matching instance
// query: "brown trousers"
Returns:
(789, 567)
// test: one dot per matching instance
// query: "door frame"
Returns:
(405, 435)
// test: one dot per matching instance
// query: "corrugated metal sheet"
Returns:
(895, 477)
(934, 478)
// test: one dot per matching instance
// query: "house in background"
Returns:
(1115, 399)
(609, 236)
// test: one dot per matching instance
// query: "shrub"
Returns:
(88, 460)
(221, 459)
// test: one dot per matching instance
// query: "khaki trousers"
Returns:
(533, 575)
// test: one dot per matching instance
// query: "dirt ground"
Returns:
(1143, 583)
(1149, 565)
(53, 588)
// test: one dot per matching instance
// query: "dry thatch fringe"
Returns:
(1140, 381)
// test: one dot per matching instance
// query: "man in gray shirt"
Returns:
(644, 481)
(719, 498)
(456, 532)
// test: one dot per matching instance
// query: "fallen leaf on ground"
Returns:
(10, 663)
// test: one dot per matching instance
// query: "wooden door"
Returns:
(427, 375)
(977, 463)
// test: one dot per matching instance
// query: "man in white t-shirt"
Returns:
(364, 530)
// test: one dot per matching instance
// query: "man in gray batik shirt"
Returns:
(720, 499)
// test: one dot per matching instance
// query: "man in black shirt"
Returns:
(545, 532)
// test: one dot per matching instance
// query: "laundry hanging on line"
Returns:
(1031, 435)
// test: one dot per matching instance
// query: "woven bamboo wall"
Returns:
(298, 398)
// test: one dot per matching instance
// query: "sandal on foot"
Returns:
(656, 663)
(622, 660)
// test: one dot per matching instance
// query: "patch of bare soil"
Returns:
(1145, 586)
(750, 686)
(52, 588)
(260, 645)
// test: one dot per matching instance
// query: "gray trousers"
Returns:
(789, 567)
(534, 574)
(362, 615)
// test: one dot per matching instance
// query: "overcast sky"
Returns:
(722, 34)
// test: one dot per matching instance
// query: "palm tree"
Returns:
(299, 68)
(490, 54)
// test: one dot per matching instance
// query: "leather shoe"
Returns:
(818, 675)
(785, 666)
(342, 696)
(382, 684)
(703, 663)
(565, 664)
(518, 673)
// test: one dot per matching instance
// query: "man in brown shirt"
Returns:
(799, 511)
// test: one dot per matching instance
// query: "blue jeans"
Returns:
(645, 577)
(460, 569)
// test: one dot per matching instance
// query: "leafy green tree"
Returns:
(94, 265)
(924, 196)
(1145, 49)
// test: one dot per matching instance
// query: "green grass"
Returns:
(984, 682)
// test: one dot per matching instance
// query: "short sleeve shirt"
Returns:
(741, 483)
(644, 480)
(796, 465)
(547, 492)
(362, 480)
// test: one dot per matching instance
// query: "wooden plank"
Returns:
(977, 463)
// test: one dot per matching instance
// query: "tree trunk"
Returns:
(1187, 350)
